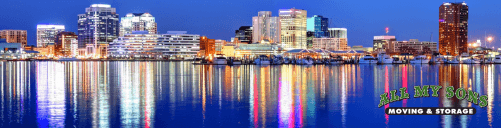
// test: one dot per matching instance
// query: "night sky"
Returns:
(416, 19)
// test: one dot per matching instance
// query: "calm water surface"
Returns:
(180, 94)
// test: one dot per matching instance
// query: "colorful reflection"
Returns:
(180, 94)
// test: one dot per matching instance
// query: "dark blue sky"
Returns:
(218, 19)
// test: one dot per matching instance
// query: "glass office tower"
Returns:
(99, 25)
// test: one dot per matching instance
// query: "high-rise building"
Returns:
(99, 25)
(138, 22)
(46, 34)
(338, 33)
(453, 28)
(265, 27)
(14, 36)
(63, 42)
(319, 25)
(293, 28)
(244, 34)
(381, 43)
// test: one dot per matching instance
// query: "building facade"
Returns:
(338, 33)
(172, 44)
(207, 46)
(99, 25)
(15, 36)
(293, 28)
(63, 43)
(381, 43)
(138, 22)
(413, 46)
(265, 27)
(331, 44)
(46, 34)
(319, 25)
(453, 28)
(244, 34)
(309, 39)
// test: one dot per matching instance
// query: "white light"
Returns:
(101, 5)
(50, 26)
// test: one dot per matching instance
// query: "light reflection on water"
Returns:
(179, 94)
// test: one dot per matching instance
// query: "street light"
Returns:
(489, 39)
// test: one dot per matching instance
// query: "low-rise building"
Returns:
(141, 44)
(413, 46)
(331, 44)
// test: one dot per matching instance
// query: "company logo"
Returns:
(420, 92)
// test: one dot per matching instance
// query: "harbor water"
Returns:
(181, 94)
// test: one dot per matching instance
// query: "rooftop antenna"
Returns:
(431, 36)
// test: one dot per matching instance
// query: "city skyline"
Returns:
(408, 23)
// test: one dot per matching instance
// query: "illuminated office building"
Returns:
(265, 28)
(14, 36)
(99, 25)
(138, 22)
(382, 43)
(143, 44)
(63, 43)
(46, 34)
(331, 44)
(293, 28)
(319, 25)
(207, 46)
(453, 28)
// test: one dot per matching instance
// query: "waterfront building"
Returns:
(99, 25)
(219, 44)
(413, 46)
(361, 48)
(137, 22)
(207, 46)
(331, 44)
(176, 44)
(265, 27)
(63, 43)
(244, 34)
(10, 50)
(338, 33)
(47, 51)
(46, 34)
(254, 50)
(14, 36)
(293, 28)
(381, 43)
(453, 28)
(319, 25)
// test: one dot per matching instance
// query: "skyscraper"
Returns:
(14, 36)
(293, 28)
(265, 27)
(138, 22)
(244, 34)
(99, 25)
(453, 28)
(46, 34)
(319, 25)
